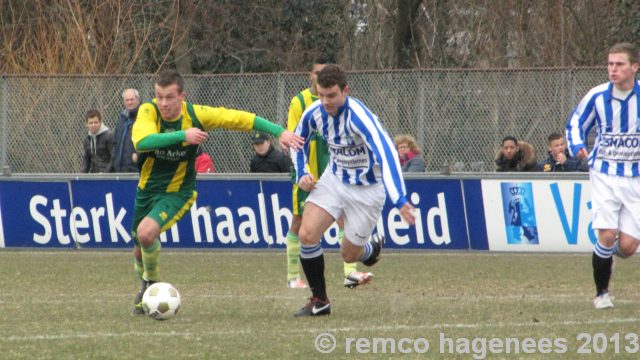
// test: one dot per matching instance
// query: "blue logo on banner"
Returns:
(519, 213)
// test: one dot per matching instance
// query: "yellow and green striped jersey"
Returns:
(172, 168)
(318, 149)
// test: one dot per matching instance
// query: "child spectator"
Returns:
(97, 145)
(559, 159)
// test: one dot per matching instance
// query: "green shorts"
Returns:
(298, 196)
(165, 208)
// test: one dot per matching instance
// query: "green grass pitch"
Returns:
(235, 305)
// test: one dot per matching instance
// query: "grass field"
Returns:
(76, 304)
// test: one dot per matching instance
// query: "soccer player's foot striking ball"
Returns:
(357, 278)
(315, 307)
(137, 302)
(296, 283)
(376, 242)
(603, 301)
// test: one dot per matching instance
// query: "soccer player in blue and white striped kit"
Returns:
(363, 163)
(614, 108)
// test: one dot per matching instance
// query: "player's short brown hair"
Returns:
(332, 75)
(626, 48)
(92, 113)
(170, 77)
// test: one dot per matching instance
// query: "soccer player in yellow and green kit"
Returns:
(166, 135)
(318, 159)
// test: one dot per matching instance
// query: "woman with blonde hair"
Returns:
(409, 153)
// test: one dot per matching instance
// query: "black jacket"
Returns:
(121, 158)
(97, 151)
(572, 164)
(525, 160)
(274, 161)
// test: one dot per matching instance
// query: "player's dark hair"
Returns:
(321, 60)
(170, 77)
(332, 75)
(510, 138)
(92, 113)
(554, 137)
(626, 48)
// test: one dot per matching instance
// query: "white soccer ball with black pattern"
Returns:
(161, 301)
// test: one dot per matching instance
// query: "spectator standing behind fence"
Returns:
(124, 155)
(268, 159)
(409, 153)
(204, 163)
(559, 159)
(515, 155)
(97, 145)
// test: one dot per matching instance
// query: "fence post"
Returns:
(281, 111)
(3, 118)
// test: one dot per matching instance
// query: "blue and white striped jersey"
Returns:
(616, 150)
(360, 150)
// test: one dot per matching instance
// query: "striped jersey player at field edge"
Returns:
(614, 109)
(166, 135)
(363, 169)
(318, 159)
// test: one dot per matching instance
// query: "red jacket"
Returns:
(204, 164)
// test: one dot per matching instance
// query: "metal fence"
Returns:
(457, 116)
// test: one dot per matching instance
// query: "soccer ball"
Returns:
(161, 301)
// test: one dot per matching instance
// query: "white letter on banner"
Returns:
(415, 199)
(96, 214)
(40, 219)
(263, 219)
(441, 212)
(115, 223)
(79, 220)
(204, 213)
(58, 214)
(395, 223)
(226, 223)
(248, 230)
(278, 214)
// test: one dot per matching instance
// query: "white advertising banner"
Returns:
(538, 215)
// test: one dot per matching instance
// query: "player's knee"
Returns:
(607, 237)
(306, 237)
(146, 236)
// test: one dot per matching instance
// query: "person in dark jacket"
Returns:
(559, 159)
(97, 145)
(409, 154)
(516, 155)
(124, 156)
(267, 158)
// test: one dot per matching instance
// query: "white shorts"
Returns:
(361, 206)
(615, 203)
